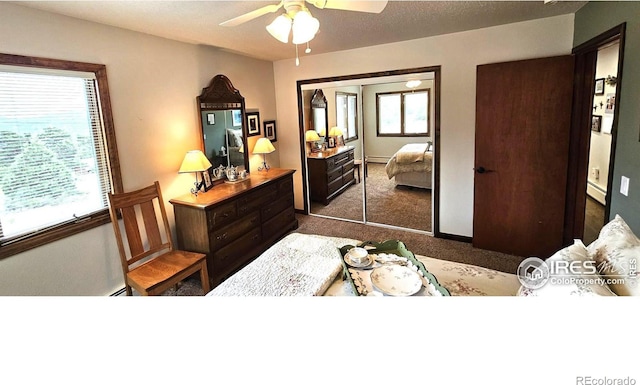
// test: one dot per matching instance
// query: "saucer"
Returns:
(367, 263)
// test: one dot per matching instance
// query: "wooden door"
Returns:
(523, 119)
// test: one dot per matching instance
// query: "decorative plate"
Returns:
(396, 280)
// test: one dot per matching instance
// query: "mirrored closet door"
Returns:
(355, 170)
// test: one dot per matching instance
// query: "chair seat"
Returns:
(160, 273)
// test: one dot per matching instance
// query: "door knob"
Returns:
(482, 170)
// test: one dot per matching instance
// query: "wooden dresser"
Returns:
(234, 223)
(330, 173)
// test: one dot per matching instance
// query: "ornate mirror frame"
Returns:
(319, 112)
(220, 96)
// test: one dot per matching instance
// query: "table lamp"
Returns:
(263, 146)
(310, 137)
(195, 161)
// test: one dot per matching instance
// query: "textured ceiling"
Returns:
(198, 21)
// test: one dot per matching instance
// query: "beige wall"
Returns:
(458, 54)
(153, 84)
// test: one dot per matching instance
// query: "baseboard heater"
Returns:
(596, 192)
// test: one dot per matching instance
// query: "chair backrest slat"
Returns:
(132, 205)
(151, 225)
(132, 230)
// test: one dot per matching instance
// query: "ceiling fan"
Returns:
(293, 6)
(297, 20)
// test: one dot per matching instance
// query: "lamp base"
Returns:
(264, 166)
(197, 186)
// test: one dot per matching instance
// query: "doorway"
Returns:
(365, 193)
(601, 140)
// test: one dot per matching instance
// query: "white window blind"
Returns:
(53, 158)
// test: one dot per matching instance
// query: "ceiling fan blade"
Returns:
(347, 5)
(252, 15)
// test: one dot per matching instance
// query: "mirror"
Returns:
(222, 120)
(319, 113)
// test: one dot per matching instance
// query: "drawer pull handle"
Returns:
(221, 237)
(255, 237)
(225, 215)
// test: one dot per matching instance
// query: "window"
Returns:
(346, 115)
(403, 113)
(58, 156)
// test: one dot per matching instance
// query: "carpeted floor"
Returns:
(386, 203)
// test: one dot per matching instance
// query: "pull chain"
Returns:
(297, 59)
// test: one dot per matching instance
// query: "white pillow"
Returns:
(586, 283)
(617, 253)
(234, 137)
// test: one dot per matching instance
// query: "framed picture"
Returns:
(599, 86)
(236, 117)
(340, 140)
(596, 123)
(253, 123)
(270, 130)
(211, 119)
(610, 104)
(206, 180)
(331, 142)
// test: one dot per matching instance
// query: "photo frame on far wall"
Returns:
(270, 130)
(596, 123)
(253, 123)
(599, 89)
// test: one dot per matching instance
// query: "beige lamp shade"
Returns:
(335, 131)
(263, 146)
(311, 136)
(194, 161)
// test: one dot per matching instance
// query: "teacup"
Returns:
(358, 255)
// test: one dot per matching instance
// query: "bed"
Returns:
(311, 265)
(411, 165)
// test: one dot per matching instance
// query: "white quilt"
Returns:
(412, 157)
(298, 265)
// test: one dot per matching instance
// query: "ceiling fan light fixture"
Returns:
(305, 27)
(280, 28)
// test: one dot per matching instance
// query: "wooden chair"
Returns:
(153, 266)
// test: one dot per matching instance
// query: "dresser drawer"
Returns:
(250, 202)
(334, 174)
(233, 255)
(274, 208)
(330, 164)
(285, 186)
(273, 225)
(334, 186)
(221, 215)
(228, 234)
(348, 167)
(343, 158)
(348, 177)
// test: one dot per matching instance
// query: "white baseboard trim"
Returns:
(596, 192)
